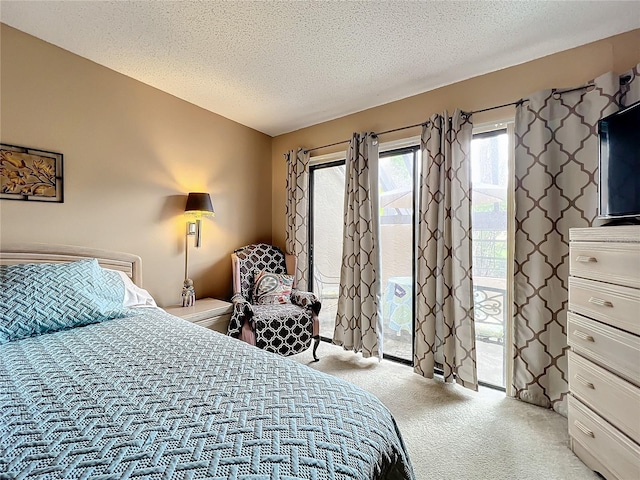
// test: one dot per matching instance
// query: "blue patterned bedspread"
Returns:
(153, 396)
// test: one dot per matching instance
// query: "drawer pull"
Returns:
(585, 382)
(601, 302)
(584, 429)
(585, 259)
(583, 336)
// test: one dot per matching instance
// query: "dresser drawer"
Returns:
(619, 454)
(612, 304)
(618, 351)
(613, 398)
(612, 263)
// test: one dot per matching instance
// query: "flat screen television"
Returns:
(619, 184)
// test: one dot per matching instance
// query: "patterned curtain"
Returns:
(445, 332)
(359, 318)
(298, 213)
(556, 169)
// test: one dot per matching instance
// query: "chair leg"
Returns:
(316, 342)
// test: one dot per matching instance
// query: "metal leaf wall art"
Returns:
(30, 174)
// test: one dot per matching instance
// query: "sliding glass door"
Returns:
(325, 239)
(396, 191)
(490, 233)
(397, 200)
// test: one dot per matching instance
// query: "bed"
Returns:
(148, 395)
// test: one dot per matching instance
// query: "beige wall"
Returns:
(131, 154)
(568, 68)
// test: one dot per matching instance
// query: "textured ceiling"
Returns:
(281, 66)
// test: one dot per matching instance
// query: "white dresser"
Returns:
(603, 330)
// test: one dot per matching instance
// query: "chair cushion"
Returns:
(271, 288)
(285, 329)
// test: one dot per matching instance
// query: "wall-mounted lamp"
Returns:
(198, 205)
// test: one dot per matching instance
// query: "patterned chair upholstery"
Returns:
(285, 329)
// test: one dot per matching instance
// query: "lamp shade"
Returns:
(199, 204)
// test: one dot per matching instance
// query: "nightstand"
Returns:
(207, 312)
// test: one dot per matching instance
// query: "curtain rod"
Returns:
(326, 146)
(374, 133)
(583, 87)
(554, 92)
(517, 102)
(404, 128)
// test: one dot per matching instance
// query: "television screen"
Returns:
(620, 163)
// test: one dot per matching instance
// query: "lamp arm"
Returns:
(198, 232)
(186, 251)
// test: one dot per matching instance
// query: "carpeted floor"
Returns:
(455, 434)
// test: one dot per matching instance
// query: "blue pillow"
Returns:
(38, 298)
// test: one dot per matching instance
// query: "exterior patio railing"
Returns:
(489, 306)
(489, 313)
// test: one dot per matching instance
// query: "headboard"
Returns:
(13, 254)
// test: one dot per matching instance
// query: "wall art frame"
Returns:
(31, 174)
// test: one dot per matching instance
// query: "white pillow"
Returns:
(134, 296)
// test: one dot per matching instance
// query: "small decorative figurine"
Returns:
(188, 293)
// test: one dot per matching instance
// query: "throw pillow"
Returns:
(38, 298)
(271, 288)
